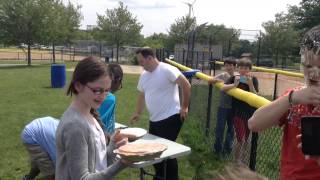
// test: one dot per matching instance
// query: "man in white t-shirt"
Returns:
(158, 87)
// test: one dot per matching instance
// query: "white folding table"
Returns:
(174, 150)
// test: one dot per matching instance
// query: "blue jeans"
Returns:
(224, 116)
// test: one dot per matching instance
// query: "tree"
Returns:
(36, 21)
(118, 26)
(156, 41)
(84, 35)
(179, 31)
(306, 15)
(243, 46)
(62, 24)
(219, 34)
(21, 22)
(280, 37)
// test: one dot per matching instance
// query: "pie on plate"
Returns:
(140, 151)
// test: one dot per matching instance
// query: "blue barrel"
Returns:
(58, 75)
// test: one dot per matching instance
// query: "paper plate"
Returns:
(133, 133)
(140, 151)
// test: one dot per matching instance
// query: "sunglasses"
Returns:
(98, 91)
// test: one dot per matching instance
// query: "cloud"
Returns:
(127, 2)
(156, 5)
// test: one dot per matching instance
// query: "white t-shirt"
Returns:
(101, 145)
(161, 91)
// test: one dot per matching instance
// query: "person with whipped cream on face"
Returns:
(288, 109)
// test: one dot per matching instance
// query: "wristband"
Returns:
(290, 98)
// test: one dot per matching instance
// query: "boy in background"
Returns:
(39, 139)
(107, 108)
(242, 111)
(225, 113)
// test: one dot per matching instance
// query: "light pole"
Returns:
(191, 42)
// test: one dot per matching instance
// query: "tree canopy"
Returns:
(37, 21)
(118, 27)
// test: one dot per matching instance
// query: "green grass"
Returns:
(26, 95)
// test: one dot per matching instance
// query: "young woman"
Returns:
(82, 149)
(108, 107)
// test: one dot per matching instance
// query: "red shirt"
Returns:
(293, 164)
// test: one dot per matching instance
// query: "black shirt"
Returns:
(242, 109)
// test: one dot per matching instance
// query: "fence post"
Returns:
(183, 52)
(61, 54)
(253, 152)
(203, 55)
(209, 110)
(70, 55)
(275, 86)
(74, 54)
(197, 60)
(202, 65)
(214, 67)
(163, 55)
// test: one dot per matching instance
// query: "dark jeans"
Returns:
(224, 116)
(169, 129)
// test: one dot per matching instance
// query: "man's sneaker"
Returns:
(26, 177)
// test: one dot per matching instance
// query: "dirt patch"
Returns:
(267, 82)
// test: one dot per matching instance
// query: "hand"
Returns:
(183, 113)
(122, 142)
(134, 118)
(213, 80)
(249, 80)
(236, 81)
(308, 95)
(126, 162)
(317, 158)
(119, 138)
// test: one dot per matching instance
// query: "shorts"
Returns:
(40, 159)
(241, 129)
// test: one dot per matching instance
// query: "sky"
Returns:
(156, 16)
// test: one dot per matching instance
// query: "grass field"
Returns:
(26, 95)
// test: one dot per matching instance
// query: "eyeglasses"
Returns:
(98, 91)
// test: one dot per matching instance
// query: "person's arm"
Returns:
(76, 146)
(215, 79)
(139, 108)
(227, 87)
(232, 82)
(186, 91)
(269, 115)
(116, 140)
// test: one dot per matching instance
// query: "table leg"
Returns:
(141, 174)
(165, 169)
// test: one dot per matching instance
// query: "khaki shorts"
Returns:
(40, 159)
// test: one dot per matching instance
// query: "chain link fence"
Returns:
(261, 152)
